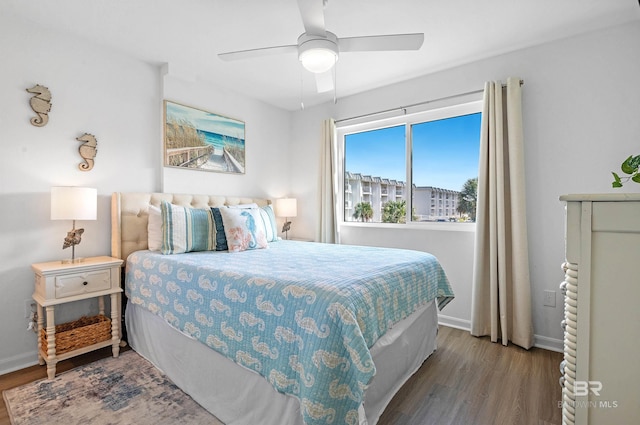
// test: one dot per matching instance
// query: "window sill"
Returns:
(431, 226)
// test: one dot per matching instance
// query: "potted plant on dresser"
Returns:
(631, 167)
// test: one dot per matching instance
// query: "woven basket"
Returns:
(80, 333)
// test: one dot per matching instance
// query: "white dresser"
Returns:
(601, 367)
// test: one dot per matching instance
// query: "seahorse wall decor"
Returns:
(88, 150)
(41, 104)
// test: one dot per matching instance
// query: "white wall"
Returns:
(94, 90)
(580, 102)
(119, 100)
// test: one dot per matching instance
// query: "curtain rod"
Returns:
(426, 102)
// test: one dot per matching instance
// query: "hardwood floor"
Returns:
(471, 380)
(467, 381)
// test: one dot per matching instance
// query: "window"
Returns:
(414, 168)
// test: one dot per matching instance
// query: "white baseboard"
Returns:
(539, 341)
(18, 362)
(454, 322)
(551, 344)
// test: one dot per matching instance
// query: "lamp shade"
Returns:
(74, 203)
(286, 207)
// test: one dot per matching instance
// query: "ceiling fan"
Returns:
(318, 49)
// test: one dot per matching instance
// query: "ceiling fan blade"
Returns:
(312, 12)
(381, 42)
(254, 53)
(324, 81)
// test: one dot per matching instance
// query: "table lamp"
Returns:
(73, 203)
(286, 207)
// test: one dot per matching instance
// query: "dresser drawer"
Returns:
(82, 283)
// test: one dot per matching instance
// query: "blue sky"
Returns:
(445, 152)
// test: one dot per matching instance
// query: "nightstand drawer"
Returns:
(82, 283)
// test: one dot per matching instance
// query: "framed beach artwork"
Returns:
(199, 140)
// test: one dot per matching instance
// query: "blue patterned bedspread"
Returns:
(301, 314)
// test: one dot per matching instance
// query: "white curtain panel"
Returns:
(501, 294)
(328, 226)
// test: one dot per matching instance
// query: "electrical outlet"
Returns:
(550, 298)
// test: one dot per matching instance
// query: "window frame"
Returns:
(408, 120)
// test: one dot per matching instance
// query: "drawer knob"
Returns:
(85, 283)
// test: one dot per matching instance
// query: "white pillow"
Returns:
(243, 228)
(252, 205)
(154, 229)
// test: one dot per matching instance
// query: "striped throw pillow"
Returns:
(186, 229)
(269, 222)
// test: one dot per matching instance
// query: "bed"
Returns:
(297, 333)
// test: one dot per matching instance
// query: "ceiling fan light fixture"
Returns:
(318, 54)
(318, 60)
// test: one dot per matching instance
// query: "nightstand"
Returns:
(57, 284)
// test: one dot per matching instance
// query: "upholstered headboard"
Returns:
(130, 215)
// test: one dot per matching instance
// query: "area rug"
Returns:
(123, 390)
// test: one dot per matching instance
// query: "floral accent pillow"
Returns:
(243, 229)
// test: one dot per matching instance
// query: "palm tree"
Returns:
(467, 198)
(363, 211)
(394, 212)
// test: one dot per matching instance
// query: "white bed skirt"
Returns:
(239, 396)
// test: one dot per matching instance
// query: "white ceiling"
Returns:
(188, 34)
